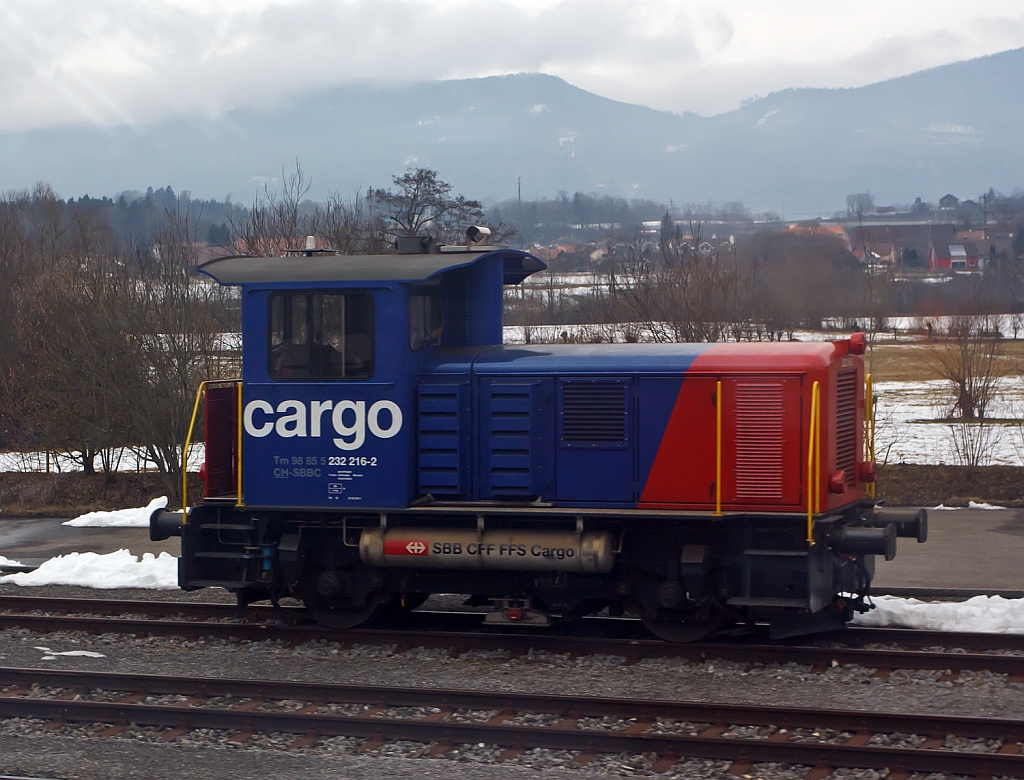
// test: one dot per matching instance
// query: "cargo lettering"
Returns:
(561, 553)
(491, 549)
(349, 419)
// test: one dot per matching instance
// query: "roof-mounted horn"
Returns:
(477, 234)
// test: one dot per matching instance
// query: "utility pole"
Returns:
(984, 216)
(522, 245)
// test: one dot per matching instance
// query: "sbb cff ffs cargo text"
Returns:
(383, 444)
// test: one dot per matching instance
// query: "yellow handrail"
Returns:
(718, 449)
(813, 461)
(817, 450)
(188, 442)
(238, 468)
(869, 428)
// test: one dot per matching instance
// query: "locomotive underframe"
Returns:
(670, 567)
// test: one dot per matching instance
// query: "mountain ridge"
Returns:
(956, 127)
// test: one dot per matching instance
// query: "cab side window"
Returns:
(426, 315)
(321, 336)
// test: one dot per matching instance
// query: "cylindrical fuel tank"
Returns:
(592, 552)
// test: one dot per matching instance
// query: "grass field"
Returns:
(917, 361)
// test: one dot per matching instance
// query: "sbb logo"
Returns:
(350, 419)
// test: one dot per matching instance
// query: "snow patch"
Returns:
(119, 518)
(118, 569)
(981, 614)
(970, 505)
(52, 654)
(8, 562)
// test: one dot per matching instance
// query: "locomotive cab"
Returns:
(383, 444)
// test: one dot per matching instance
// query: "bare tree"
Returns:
(679, 292)
(173, 322)
(971, 365)
(423, 204)
(349, 226)
(973, 441)
(860, 203)
(275, 222)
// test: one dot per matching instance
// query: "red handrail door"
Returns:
(221, 441)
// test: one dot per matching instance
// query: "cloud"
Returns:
(123, 62)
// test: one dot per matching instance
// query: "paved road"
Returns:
(975, 549)
(966, 548)
(32, 540)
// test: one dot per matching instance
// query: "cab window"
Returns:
(321, 336)
(426, 316)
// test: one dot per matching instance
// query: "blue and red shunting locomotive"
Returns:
(383, 444)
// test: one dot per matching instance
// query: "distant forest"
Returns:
(135, 216)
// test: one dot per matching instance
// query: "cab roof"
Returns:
(245, 269)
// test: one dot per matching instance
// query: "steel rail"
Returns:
(819, 658)
(566, 735)
(851, 636)
(518, 644)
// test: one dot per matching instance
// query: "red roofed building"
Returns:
(955, 257)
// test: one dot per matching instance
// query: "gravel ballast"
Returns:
(213, 754)
(842, 687)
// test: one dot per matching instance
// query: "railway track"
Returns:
(445, 718)
(880, 649)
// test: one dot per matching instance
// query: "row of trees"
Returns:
(759, 288)
(102, 343)
(419, 203)
(106, 337)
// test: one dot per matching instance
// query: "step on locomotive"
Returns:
(383, 444)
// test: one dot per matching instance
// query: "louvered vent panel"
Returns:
(759, 442)
(439, 437)
(511, 462)
(593, 412)
(846, 425)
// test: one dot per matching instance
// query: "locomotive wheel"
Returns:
(683, 631)
(345, 617)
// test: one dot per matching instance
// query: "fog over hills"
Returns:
(958, 128)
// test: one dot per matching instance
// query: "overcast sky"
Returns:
(125, 61)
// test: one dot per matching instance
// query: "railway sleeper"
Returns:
(376, 732)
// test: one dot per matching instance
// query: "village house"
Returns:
(955, 257)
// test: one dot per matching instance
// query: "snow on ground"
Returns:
(970, 505)
(125, 459)
(903, 433)
(8, 562)
(595, 333)
(51, 655)
(981, 614)
(118, 569)
(119, 518)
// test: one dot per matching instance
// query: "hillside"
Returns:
(955, 128)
